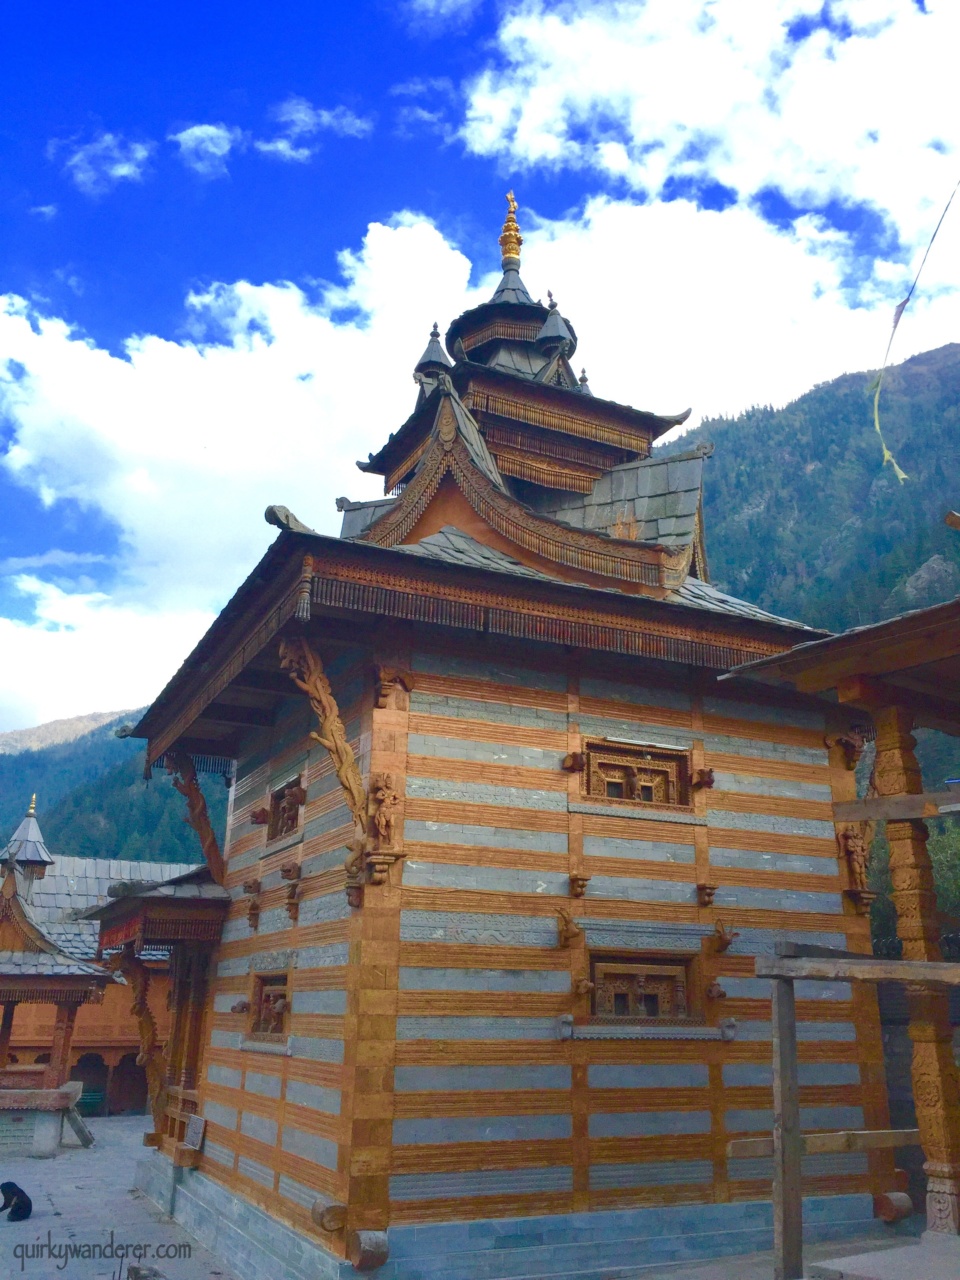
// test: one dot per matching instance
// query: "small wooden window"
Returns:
(640, 989)
(636, 775)
(270, 1008)
(285, 805)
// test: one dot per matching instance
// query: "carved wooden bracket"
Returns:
(394, 685)
(715, 991)
(260, 817)
(290, 871)
(862, 899)
(574, 762)
(152, 1056)
(567, 928)
(240, 1006)
(329, 1217)
(852, 743)
(584, 987)
(705, 894)
(251, 886)
(578, 885)
(724, 937)
(253, 913)
(292, 903)
(703, 780)
(180, 767)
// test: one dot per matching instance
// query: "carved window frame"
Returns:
(640, 976)
(637, 775)
(269, 986)
(275, 810)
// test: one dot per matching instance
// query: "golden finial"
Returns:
(32, 811)
(510, 237)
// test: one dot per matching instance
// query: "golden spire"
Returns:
(32, 811)
(510, 237)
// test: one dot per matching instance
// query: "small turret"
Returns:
(554, 335)
(434, 359)
(26, 850)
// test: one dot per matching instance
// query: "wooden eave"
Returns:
(365, 584)
(912, 660)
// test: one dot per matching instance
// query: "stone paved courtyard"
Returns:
(83, 1196)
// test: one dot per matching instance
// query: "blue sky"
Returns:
(226, 232)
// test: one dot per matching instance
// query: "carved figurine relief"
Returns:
(288, 809)
(857, 854)
(152, 1056)
(387, 809)
(180, 767)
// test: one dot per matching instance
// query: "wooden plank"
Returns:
(862, 969)
(787, 1141)
(830, 1143)
(929, 804)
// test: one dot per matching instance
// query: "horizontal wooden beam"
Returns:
(830, 1143)
(256, 717)
(862, 969)
(932, 708)
(929, 804)
(264, 682)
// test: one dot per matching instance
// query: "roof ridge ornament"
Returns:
(510, 237)
(32, 810)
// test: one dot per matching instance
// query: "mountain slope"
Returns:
(92, 800)
(13, 741)
(803, 519)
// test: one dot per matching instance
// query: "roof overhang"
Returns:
(912, 660)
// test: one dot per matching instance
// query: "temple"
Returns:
(478, 998)
(64, 1017)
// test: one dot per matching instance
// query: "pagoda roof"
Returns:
(26, 845)
(465, 373)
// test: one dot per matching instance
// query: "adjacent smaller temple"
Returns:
(34, 970)
(183, 918)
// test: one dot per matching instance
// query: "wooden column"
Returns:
(196, 986)
(58, 1069)
(936, 1082)
(6, 1030)
(787, 1142)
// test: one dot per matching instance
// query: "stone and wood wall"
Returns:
(422, 1065)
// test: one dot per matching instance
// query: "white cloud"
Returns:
(182, 444)
(44, 211)
(427, 12)
(98, 166)
(84, 652)
(205, 148)
(654, 92)
(52, 559)
(299, 119)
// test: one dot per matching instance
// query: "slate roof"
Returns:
(661, 495)
(73, 885)
(453, 546)
(26, 844)
(512, 289)
(184, 888)
(45, 964)
(359, 516)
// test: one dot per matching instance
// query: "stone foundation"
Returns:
(31, 1120)
(581, 1246)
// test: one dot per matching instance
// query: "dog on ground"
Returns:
(16, 1200)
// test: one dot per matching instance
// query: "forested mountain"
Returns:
(92, 800)
(801, 515)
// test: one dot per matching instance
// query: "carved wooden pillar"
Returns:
(6, 1030)
(196, 986)
(936, 1082)
(58, 1068)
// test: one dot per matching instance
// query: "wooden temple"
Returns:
(104, 1043)
(501, 853)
